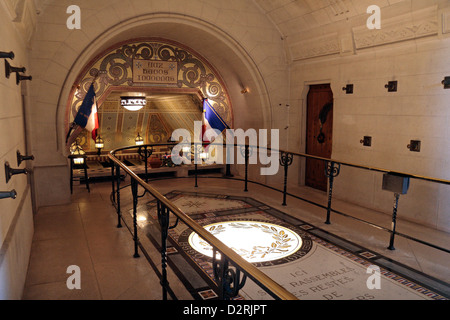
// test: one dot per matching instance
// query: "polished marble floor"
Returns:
(84, 233)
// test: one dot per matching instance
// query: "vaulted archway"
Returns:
(169, 74)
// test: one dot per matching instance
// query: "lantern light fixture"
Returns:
(78, 154)
(139, 140)
(99, 144)
(204, 155)
(133, 103)
(186, 149)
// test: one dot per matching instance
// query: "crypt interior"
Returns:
(354, 116)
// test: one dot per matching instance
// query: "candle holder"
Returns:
(9, 172)
(8, 194)
(7, 55)
(21, 158)
(10, 69)
(20, 78)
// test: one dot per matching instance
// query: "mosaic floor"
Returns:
(309, 262)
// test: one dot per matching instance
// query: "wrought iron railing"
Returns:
(227, 271)
(332, 171)
(230, 271)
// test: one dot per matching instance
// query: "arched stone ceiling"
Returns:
(292, 16)
(314, 28)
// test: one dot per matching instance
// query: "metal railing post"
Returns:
(245, 152)
(196, 175)
(227, 279)
(119, 220)
(394, 222)
(331, 172)
(196, 147)
(286, 160)
(134, 191)
(146, 164)
(113, 182)
(164, 218)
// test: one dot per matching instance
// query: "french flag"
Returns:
(86, 118)
(211, 120)
(92, 124)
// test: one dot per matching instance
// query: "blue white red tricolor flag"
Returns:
(211, 120)
(92, 124)
(86, 118)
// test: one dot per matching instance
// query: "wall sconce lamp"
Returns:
(7, 55)
(348, 89)
(392, 86)
(8, 194)
(139, 140)
(9, 172)
(446, 82)
(99, 144)
(245, 91)
(414, 146)
(21, 158)
(366, 141)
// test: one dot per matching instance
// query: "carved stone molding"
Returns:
(422, 23)
(316, 47)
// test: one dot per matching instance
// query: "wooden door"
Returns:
(319, 137)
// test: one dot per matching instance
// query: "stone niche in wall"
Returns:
(163, 113)
(172, 76)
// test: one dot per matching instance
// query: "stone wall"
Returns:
(16, 215)
(412, 47)
(236, 38)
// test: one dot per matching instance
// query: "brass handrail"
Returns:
(348, 164)
(249, 269)
(309, 156)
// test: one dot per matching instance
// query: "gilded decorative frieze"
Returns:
(152, 64)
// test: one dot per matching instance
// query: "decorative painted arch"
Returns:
(114, 68)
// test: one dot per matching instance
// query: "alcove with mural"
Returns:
(170, 78)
